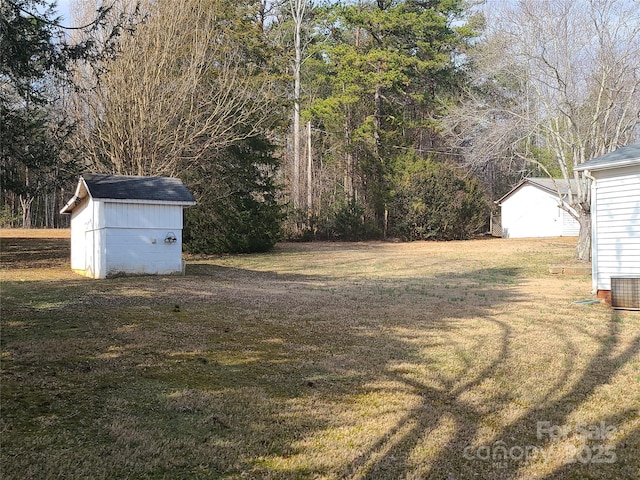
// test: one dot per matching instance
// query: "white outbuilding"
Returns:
(532, 209)
(127, 225)
(615, 223)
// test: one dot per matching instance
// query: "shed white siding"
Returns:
(142, 215)
(79, 219)
(616, 225)
(127, 224)
(135, 234)
(533, 212)
(87, 239)
(570, 226)
(111, 238)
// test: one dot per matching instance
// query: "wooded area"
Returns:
(301, 119)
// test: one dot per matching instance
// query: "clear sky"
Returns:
(64, 9)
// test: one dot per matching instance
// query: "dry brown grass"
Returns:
(325, 360)
(35, 233)
(35, 254)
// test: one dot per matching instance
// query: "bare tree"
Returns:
(178, 89)
(298, 8)
(560, 77)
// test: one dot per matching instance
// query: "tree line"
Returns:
(299, 119)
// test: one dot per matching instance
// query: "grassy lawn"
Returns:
(456, 360)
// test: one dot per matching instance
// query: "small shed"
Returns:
(615, 218)
(532, 209)
(127, 225)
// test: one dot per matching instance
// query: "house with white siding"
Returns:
(533, 209)
(615, 217)
(127, 225)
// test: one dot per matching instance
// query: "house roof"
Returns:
(550, 185)
(622, 157)
(126, 187)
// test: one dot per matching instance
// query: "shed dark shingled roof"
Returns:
(622, 157)
(124, 187)
(546, 184)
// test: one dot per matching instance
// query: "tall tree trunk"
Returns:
(349, 167)
(297, 13)
(378, 118)
(296, 155)
(26, 202)
(309, 176)
(583, 250)
(46, 210)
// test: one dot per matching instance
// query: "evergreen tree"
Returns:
(34, 64)
(384, 70)
(434, 201)
(239, 212)
(29, 59)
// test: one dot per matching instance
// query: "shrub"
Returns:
(351, 224)
(237, 209)
(346, 221)
(433, 201)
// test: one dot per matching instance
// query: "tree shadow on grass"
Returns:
(217, 384)
(595, 452)
(251, 367)
(369, 343)
(374, 336)
(23, 253)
